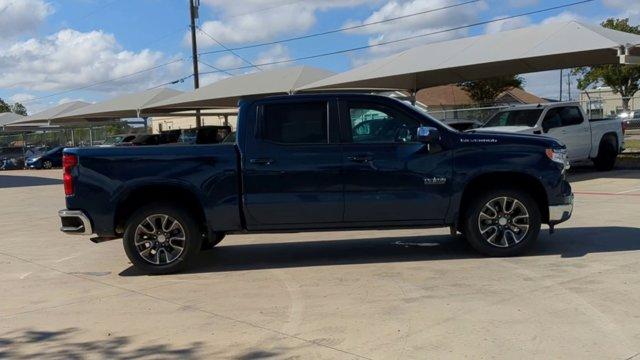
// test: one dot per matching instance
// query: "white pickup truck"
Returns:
(597, 140)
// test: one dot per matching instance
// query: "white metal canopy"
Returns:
(532, 49)
(9, 117)
(226, 92)
(124, 106)
(44, 116)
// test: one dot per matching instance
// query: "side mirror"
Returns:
(428, 135)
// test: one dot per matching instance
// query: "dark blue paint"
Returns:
(298, 187)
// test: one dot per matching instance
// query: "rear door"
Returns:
(389, 176)
(567, 124)
(292, 166)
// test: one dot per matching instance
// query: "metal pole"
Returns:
(193, 10)
(90, 135)
(560, 97)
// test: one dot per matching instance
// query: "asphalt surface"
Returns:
(409, 294)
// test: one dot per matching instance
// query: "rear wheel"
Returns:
(161, 238)
(607, 155)
(502, 222)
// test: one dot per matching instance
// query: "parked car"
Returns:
(631, 119)
(297, 165)
(463, 125)
(115, 140)
(48, 160)
(205, 135)
(11, 158)
(597, 140)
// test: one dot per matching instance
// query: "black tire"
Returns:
(607, 155)
(47, 164)
(191, 243)
(211, 243)
(471, 226)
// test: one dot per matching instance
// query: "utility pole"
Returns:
(560, 97)
(193, 10)
(569, 84)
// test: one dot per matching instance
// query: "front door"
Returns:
(389, 176)
(292, 167)
(567, 124)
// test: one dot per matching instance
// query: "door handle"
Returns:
(360, 158)
(262, 161)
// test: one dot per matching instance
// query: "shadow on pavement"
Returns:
(60, 344)
(11, 181)
(568, 242)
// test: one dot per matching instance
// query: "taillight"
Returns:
(69, 161)
(624, 127)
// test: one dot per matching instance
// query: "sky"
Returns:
(55, 51)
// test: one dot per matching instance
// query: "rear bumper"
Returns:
(561, 213)
(75, 222)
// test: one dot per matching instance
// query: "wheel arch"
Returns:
(139, 196)
(504, 179)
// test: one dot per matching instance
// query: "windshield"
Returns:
(527, 118)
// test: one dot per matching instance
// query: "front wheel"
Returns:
(502, 222)
(47, 164)
(607, 155)
(161, 238)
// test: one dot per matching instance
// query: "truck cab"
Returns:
(597, 140)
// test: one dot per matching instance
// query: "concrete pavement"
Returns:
(336, 295)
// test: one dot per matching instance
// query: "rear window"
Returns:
(527, 118)
(296, 123)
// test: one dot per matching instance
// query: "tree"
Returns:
(4, 107)
(19, 109)
(623, 80)
(487, 90)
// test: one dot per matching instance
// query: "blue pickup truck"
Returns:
(312, 163)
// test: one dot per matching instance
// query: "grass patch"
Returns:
(632, 144)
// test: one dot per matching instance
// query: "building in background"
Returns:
(452, 103)
(603, 102)
(219, 117)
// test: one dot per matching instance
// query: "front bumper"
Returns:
(75, 222)
(561, 213)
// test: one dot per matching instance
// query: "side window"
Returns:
(552, 119)
(296, 123)
(571, 116)
(372, 123)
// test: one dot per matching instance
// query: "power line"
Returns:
(266, 9)
(215, 68)
(346, 28)
(106, 81)
(411, 37)
(227, 49)
(182, 79)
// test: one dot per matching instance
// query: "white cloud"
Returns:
(275, 53)
(509, 24)
(564, 16)
(21, 97)
(433, 22)
(259, 20)
(628, 9)
(228, 62)
(546, 84)
(22, 16)
(207, 79)
(69, 59)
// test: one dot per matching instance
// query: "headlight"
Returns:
(558, 156)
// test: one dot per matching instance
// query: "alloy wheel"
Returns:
(160, 239)
(503, 222)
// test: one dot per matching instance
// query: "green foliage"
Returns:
(624, 80)
(19, 109)
(4, 107)
(487, 90)
(15, 108)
